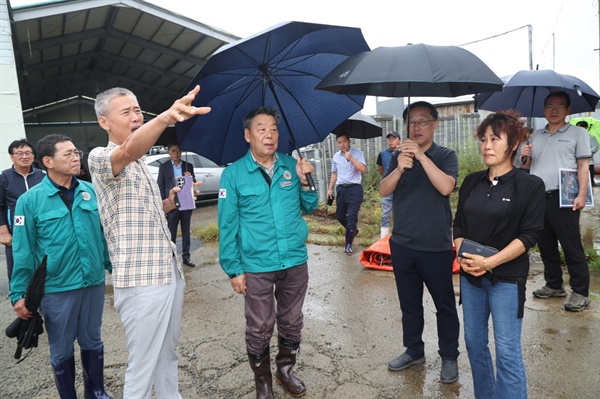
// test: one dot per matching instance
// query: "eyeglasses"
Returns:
(421, 123)
(70, 154)
(557, 107)
(21, 154)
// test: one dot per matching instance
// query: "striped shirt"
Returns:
(138, 238)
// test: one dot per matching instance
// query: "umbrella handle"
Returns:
(524, 158)
(311, 182)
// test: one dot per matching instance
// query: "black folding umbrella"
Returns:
(359, 126)
(412, 70)
(28, 331)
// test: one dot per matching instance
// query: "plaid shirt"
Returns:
(136, 230)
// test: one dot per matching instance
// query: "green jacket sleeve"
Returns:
(229, 250)
(24, 249)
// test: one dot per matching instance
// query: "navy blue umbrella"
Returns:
(279, 68)
(526, 90)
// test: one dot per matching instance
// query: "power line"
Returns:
(492, 37)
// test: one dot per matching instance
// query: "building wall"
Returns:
(11, 116)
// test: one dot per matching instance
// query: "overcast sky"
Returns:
(565, 32)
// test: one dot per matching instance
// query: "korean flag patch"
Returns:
(222, 193)
(19, 220)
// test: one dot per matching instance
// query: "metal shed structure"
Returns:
(65, 52)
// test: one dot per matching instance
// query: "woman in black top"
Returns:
(501, 207)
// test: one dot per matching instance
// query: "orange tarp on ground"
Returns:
(379, 257)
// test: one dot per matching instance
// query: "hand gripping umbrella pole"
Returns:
(311, 182)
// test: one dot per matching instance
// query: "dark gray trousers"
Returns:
(274, 296)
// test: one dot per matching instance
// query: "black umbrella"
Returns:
(359, 126)
(280, 68)
(413, 70)
(526, 90)
(28, 331)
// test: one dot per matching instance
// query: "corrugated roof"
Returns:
(82, 47)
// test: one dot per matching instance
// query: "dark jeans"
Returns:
(562, 224)
(10, 261)
(173, 219)
(348, 201)
(412, 269)
(261, 310)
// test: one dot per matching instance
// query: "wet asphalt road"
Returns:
(352, 329)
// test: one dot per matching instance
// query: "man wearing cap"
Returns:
(347, 167)
(383, 160)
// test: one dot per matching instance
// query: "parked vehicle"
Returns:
(205, 170)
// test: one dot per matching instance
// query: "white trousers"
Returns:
(151, 317)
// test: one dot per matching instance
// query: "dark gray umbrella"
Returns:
(526, 90)
(359, 126)
(413, 70)
(28, 331)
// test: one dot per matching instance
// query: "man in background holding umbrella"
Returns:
(59, 218)
(383, 160)
(262, 247)
(561, 145)
(347, 167)
(422, 176)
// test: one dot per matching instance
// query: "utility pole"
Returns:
(530, 30)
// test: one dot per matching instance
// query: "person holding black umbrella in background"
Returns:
(422, 175)
(561, 145)
(59, 218)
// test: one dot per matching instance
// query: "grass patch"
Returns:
(208, 233)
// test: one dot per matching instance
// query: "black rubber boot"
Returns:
(93, 374)
(64, 378)
(263, 379)
(285, 360)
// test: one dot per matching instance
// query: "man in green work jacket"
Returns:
(262, 246)
(59, 218)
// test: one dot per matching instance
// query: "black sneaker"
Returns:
(349, 250)
(449, 373)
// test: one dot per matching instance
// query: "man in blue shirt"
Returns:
(347, 167)
(167, 172)
(383, 160)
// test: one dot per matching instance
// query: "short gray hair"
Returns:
(102, 99)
